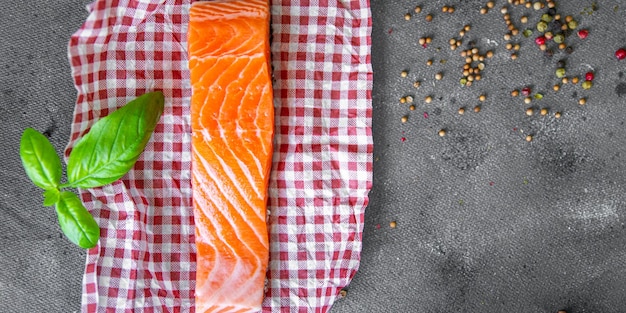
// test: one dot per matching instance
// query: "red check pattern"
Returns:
(322, 171)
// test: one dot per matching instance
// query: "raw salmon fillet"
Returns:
(232, 120)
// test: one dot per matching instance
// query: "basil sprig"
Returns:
(105, 154)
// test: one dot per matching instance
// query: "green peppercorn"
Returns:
(572, 24)
(559, 38)
(527, 32)
(587, 84)
(560, 72)
(546, 18)
(542, 26)
(463, 81)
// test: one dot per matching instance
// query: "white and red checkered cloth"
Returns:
(322, 169)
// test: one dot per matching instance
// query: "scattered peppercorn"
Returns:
(582, 101)
(461, 111)
(556, 87)
(442, 132)
(514, 56)
(524, 19)
(541, 40)
(407, 16)
(429, 62)
(515, 93)
(483, 11)
(438, 76)
(620, 54)
(546, 18)
(412, 108)
(572, 24)
(589, 76)
(417, 84)
(543, 112)
(560, 72)
(526, 91)
(527, 100)
(575, 80)
(549, 35)
(557, 114)
(527, 32)
(537, 6)
(530, 111)
(587, 84)
(343, 293)
(529, 138)
(428, 99)
(393, 224)
(549, 53)
(490, 4)
(558, 38)
(404, 119)
(542, 26)
(482, 98)
(429, 18)
(409, 99)
(477, 109)
(583, 33)
(404, 74)
(564, 80)
(418, 9)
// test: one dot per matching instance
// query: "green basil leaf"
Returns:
(51, 196)
(40, 160)
(76, 222)
(114, 143)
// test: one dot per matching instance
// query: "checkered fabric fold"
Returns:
(322, 168)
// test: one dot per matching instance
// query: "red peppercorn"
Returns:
(589, 76)
(526, 91)
(541, 40)
(583, 33)
(620, 54)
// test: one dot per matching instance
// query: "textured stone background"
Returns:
(486, 222)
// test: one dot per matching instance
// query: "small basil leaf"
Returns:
(51, 196)
(114, 143)
(76, 222)
(40, 160)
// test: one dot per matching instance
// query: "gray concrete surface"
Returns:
(486, 222)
